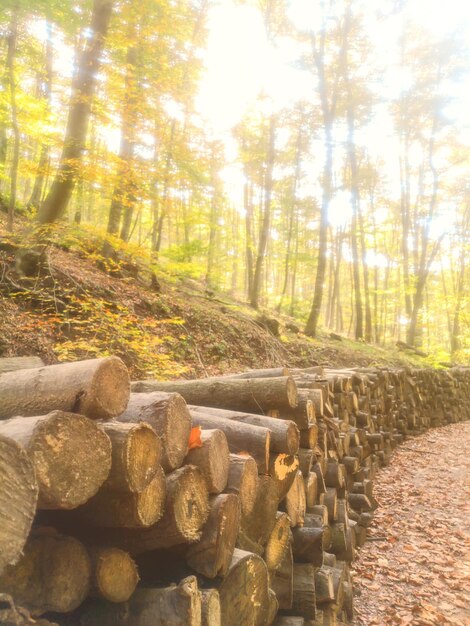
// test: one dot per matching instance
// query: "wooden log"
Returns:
(70, 454)
(212, 458)
(244, 592)
(136, 455)
(295, 503)
(272, 372)
(11, 615)
(289, 620)
(324, 585)
(309, 437)
(311, 490)
(304, 413)
(283, 469)
(212, 554)
(304, 596)
(54, 574)
(331, 500)
(97, 388)
(284, 438)
(241, 438)
(210, 608)
(273, 607)
(114, 574)
(169, 416)
(253, 395)
(177, 605)
(243, 481)
(306, 457)
(185, 513)
(18, 499)
(258, 525)
(281, 580)
(117, 509)
(278, 541)
(14, 363)
(316, 469)
(308, 545)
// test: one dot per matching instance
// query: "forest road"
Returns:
(415, 567)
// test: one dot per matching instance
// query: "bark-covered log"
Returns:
(70, 454)
(309, 437)
(295, 504)
(258, 525)
(289, 620)
(210, 608)
(116, 509)
(14, 363)
(273, 607)
(324, 585)
(304, 413)
(243, 481)
(168, 415)
(212, 458)
(254, 395)
(114, 574)
(285, 436)
(18, 499)
(244, 591)
(281, 580)
(97, 388)
(185, 513)
(241, 438)
(311, 490)
(308, 545)
(304, 596)
(54, 574)
(11, 615)
(278, 542)
(177, 605)
(283, 469)
(212, 554)
(273, 372)
(136, 455)
(306, 458)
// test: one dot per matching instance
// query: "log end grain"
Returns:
(115, 574)
(108, 394)
(18, 498)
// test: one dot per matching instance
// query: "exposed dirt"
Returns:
(415, 567)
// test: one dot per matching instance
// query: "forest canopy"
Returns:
(308, 157)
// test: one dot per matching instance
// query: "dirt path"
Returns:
(415, 569)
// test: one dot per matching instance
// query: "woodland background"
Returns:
(348, 208)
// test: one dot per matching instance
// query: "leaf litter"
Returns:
(415, 568)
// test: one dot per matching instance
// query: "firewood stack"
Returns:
(236, 500)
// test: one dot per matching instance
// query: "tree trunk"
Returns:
(212, 458)
(54, 574)
(210, 608)
(97, 388)
(18, 498)
(265, 226)
(212, 554)
(11, 53)
(60, 193)
(136, 456)
(253, 395)
(70, 473)
(284, 433)
(114, 574)
(11, 364)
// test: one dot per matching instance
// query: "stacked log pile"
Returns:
(237, 500)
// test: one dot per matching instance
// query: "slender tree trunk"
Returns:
(248, 202)
(264, 231)
(43, 163)
(61, 190)
(11, 53)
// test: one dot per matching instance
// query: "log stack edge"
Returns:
(236, 501)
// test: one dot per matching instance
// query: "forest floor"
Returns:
(73, 309)
(415, 567)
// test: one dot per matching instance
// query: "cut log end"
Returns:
(18, 498)
(109, 392)
(115, 574)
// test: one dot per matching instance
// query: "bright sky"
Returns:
(241, 62)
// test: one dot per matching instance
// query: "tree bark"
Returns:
(255, 395)
(97, 388)
(212, 458)
(168, 415)
(243, 481)
(11, 364)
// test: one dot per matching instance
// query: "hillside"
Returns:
(73, 309)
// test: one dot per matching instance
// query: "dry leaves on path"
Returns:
(415, 567)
